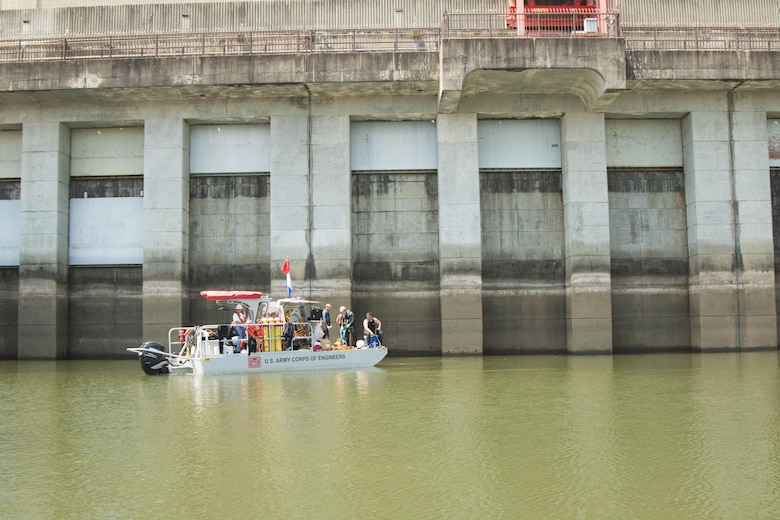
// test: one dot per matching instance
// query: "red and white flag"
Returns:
(286, 270)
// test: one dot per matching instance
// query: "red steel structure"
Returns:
(553, 16)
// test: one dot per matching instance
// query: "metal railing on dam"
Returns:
(577, 23)
(589, 24)
(454, 25)
(220, 43)
(702, 39)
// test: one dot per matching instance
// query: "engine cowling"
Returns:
(152, 362)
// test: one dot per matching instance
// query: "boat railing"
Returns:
(269, 335)
(304, 333)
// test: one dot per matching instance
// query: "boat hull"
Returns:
(286, 361)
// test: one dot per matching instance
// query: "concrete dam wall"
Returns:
(491, 196)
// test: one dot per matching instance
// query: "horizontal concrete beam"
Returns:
(595, 71)
(222, 76)
(695, 68)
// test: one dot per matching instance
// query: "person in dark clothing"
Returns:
(372, 328)
(346, 319)
(326, 322)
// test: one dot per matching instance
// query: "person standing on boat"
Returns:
(346, 319)
(326, 322)
(372, 327)
(255, 335)
(239, 319)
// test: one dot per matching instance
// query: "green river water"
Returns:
(661, 436)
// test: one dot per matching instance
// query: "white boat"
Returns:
(280, 335)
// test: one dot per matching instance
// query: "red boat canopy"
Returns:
(231, 295)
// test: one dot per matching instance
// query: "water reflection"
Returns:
(657, 436)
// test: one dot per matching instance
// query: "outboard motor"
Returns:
(151, 362)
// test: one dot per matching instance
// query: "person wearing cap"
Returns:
(239, 319)
(346, 319)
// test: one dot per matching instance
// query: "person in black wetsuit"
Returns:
(372, 327)
(346, 319)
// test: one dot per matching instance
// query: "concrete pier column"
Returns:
(729, 229)
(711, 232)
(586, 230)
(753, 203)
(43, 241)
(331, 216)
(460, 234)
(291, 211)
(166, 226)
